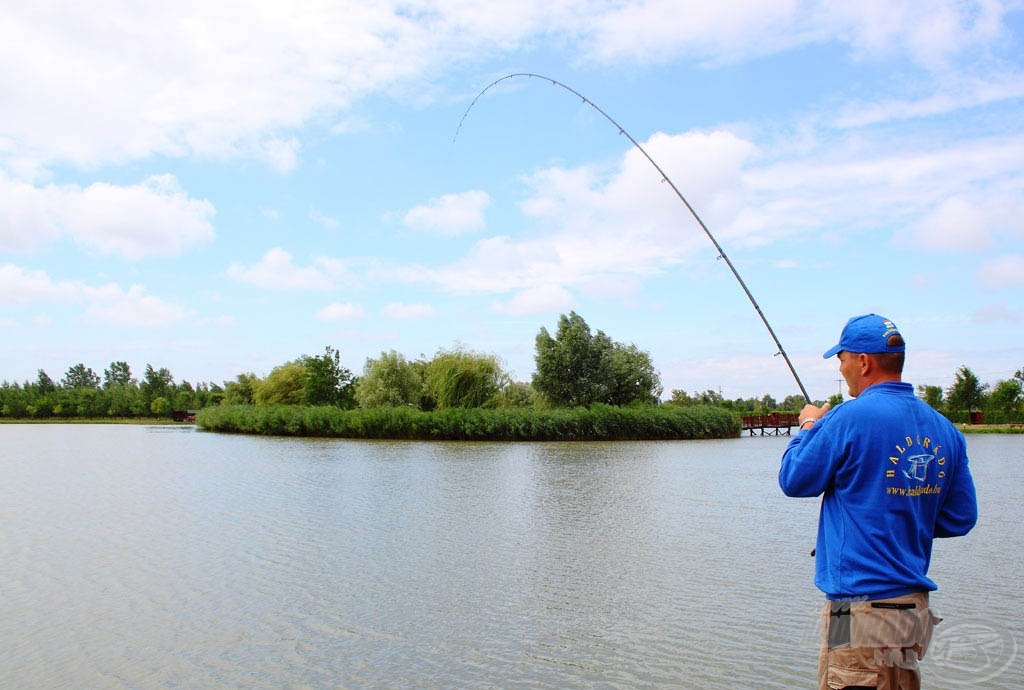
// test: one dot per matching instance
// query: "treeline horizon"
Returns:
(574, 368)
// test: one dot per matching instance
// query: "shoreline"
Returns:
(1009, 429)
(991, 428)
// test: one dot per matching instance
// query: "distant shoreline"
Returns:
(991, 428)
(136, 421)
(152, 421)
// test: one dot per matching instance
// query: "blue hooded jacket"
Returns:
(893, 474)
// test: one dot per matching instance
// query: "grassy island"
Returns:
(594, 423)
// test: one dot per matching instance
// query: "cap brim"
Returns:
(833, 352)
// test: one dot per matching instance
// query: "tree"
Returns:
(157, 383)
(119, 374)
(160, 406)
(389, 381)
(460, 378)
(1006, 396)
(709, 397)
(80, 376)
(241, 391)
(516, 394)
(44, 383)
(797, 402)
(328, 383)
(184, 396)
(208, 394)
(967, 392)
(931, 395)
(284, 385)
(14, 400)
(122, 401)
(633, 375)
(88, 401)
(681, 398)
(574, 367)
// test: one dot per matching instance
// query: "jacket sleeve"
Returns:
(810, 461)
(959, 512)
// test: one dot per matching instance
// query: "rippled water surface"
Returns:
(164, 557)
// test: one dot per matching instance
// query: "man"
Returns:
(893, 474)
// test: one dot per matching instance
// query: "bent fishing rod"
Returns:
(664, 178)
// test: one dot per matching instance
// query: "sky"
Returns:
(218, 188)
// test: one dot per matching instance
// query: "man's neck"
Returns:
(882, 378)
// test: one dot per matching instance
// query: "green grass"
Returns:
(596, 423)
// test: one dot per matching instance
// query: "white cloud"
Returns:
(732, 30)
(706, 167)
(112, 305)
(106, 304)
(23, 286)
(276, 270)
(955, 92)
(591, 228)
(498, 265)
(397, 310)
(339, 311)
(538, 300)
(997, 314)
(217, 78)
(931, 37)
(31, 216)
(326, 221)
(891, 182)
(112, 81)
(281, 154)
(153, 218)
(450, 214)
(657, 30)
(956, 225)
(1003, 272)
(116, 81)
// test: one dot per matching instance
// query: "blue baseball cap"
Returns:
(869, 334)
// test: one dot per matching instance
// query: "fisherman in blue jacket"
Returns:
(893, 475)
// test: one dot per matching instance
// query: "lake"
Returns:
(166, 557)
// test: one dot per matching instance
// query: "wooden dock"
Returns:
(774, 424)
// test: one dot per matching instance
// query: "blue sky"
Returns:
(222, 187)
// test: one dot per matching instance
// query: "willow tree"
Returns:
(389, 381)
(284, 385)
(461, 378)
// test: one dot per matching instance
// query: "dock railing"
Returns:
(772, 424)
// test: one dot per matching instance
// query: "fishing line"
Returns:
(664, 178)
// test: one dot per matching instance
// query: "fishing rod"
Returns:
(664, 178)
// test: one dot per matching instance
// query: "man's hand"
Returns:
(812, 413)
